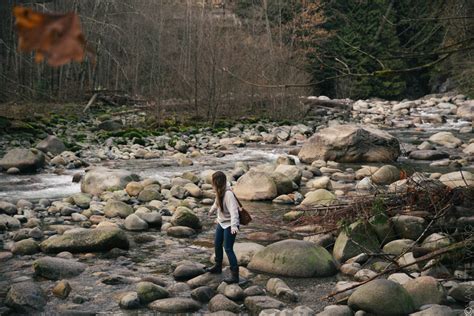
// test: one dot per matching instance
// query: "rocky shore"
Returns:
(359, 208)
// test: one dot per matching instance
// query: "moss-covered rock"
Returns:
(87, 240)
(359, 237)
(294, 258)
(57, 268)
(382, 297)
(185, 217)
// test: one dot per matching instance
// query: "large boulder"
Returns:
(256, 186)
(100, 179)
(358, 238)
(244, 251)
(350, 143)
(87, 240)
(425, 290)
(51, 144)
(294, 258)
(382, 297)
(26, 160)
(458, 179)
(292, 172)
(26, 298)
(58, 268)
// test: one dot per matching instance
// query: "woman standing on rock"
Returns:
(227, 227)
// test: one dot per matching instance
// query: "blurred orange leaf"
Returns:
(57, 38)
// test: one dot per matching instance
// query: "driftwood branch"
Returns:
(91, 102)
(427, 257)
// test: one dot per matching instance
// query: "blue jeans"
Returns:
(225, 238)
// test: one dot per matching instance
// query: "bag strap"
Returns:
(236, 198)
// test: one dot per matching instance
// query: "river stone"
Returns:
(234, 292)
(398, 246)
(222, 303)
(244, 251)
(110, 125)
(180, 232)
(386, 174)
(425, 290)
(149, 292)
(283, 183)
(320, 197)
(51, 144)
(336, 310)
(409, 227)
(82, 200)
(382, 297)
(350, 143)
(446, 139)
(175, 305)
(8, 208)
(26, 160)
(193, 190)
(134, 188)
(58, 268)
(62, 289)
(436, 241)
(365, 240)
(293, 258)
(256, 304)
(208, 279)
(187, 271)
(149, 194)
(100, 179)
(436, 310)
(254, 186)
(456, 179)
(462, 292)
(115, 208)
(254, 290)
(183, 216)
(153, 218)
(320, 183)
(87, 240)
(9, 222)
(428, 155)
(135, 223)
(383, 227)
(25, 247)
(26, 297)
(202, 294)
(292, 172)
(281, 290)
(129, 300)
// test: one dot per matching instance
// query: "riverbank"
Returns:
(152, 234)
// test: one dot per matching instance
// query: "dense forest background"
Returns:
(216, 55)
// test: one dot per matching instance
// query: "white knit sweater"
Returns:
(229, 216)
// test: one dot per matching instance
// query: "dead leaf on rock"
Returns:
(57, 38)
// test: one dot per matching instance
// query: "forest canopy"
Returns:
(250, 52)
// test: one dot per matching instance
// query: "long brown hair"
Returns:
(219, 182)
